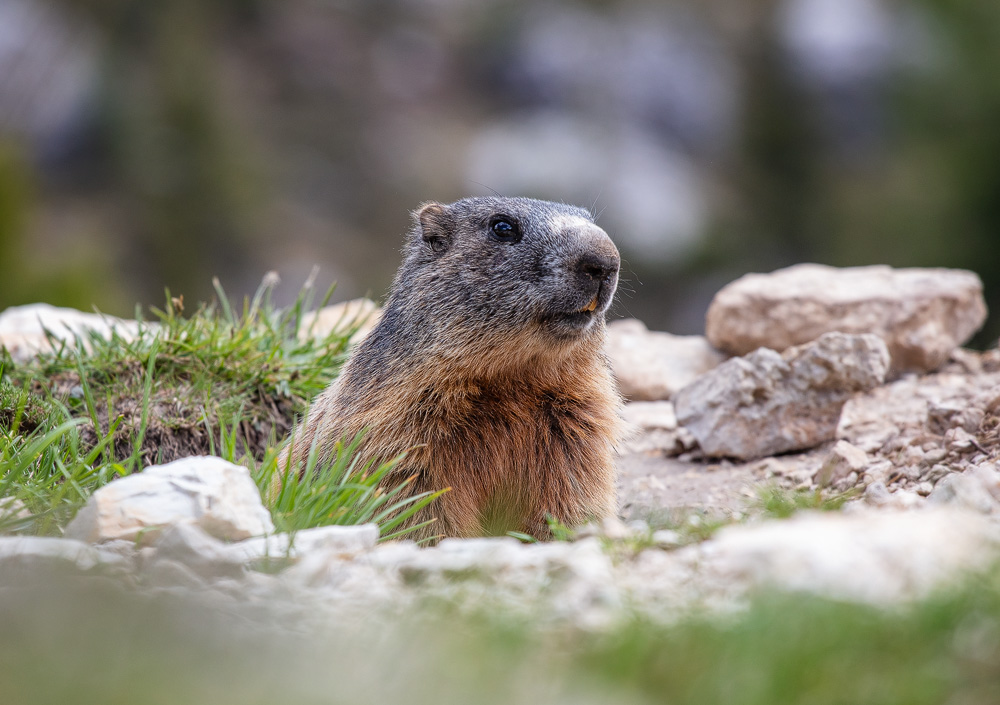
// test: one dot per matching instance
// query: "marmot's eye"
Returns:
(505, 229)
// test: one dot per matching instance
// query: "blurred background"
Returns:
(146, 145)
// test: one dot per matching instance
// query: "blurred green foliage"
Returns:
(211, 118)
(180, 163)
(90, 640)
(928, 197)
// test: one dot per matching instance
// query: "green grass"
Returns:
(344, 491)
(778, 503)
(797, 649)
(182, 377)
(782, 650)
(225, 381)
(694, 525)
(44, 464)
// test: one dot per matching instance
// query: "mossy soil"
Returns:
(179, 418)
(182, 384)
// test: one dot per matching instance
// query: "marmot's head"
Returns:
(512, 266)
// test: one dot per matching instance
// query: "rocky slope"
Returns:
(917, 451)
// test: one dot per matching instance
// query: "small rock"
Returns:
(585, 531)
(977, 489)
(765, 403)
(652, 426)
(281, 548)
(968, 361)
(912, 455)
(905, 499)
(878, 472)
(614, 528)
(912, 472)
(23, 553)
(360, 314)
(652, 365)
(348, 540)
(870, 556)
(959, 440)
(936, 473)
(204, 555)
(460, 556)
(847, 482)
(843, 460)
(666, 538)
(120, 557)
(943, 417)
(650, 415)
(638, 527)
(119, 547)
(171, 574)
(921, 314)
(216, 495)
(935, 455)
(25, 330)
(990, 360)
(394, 553)
(877, 495)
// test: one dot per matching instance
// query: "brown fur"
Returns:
(518, 423)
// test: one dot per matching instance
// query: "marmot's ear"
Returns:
(435, 223)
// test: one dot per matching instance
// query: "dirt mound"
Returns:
(179, 423)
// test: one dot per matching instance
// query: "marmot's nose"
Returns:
(597, 266)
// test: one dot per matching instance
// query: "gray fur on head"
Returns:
(547, 268)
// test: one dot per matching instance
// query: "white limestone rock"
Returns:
(921, 314)
(650, 416)
(218, 496)
(651, 365)
(977, 489)
(651, 426)
(843, 460)
(503, 559)
(360, 314)
(205, 555)
(561, 580)
(23, 328)
(874, 556)
(944, 416)
(667, 538)
(172, 574)
(33, 552)
(456, 558)
(765, 403)
(284, 549)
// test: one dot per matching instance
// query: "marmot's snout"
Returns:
(594, 266)
(597, 278)
(588, 277)
(600, 267)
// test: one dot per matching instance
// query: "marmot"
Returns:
(487, 368)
